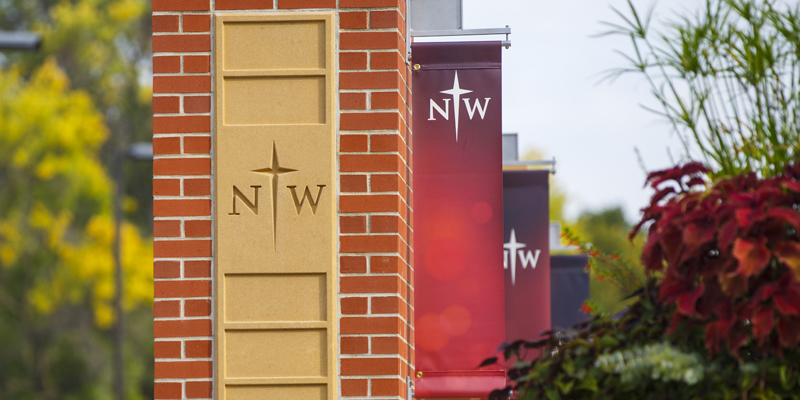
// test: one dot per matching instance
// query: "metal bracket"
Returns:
(410, 387)
(462, 32)
(552, 162)
(408, 32)
(456, 32)
(467, 32)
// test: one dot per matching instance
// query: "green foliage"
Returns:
(727, 80)
(613, 263)
(103, 46)
(56, 230)
(568, 367)
(658, 361)
(606, 266)
(65, 110)
(634, 358)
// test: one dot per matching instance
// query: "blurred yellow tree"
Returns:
(104, 47)
(59, 135)
(56, 230)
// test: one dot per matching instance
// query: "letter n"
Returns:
(445, 113)
(253, 206)
(298, 203)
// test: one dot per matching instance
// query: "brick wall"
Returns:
(374, 222)
(182, 204)
(376, 296)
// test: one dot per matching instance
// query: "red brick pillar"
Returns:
(375, 276)
(182, 204)
(374, 204)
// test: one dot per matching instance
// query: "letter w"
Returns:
(529, 258)
(298, 203)
(445, 113)
(477, 106)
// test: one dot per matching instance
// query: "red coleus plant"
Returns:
(729, 254)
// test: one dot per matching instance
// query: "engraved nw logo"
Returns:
(274, 171)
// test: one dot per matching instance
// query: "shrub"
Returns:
(730, 255)
(723, 268)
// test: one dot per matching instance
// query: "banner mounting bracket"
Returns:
(461, 32)
(427, 18)
(526, 164)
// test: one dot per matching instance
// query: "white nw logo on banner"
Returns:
(514, 249)
(456, 92)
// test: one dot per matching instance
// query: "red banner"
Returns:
(526, 253)
(458, 217)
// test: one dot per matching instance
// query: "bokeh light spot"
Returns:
(457, 319)
(445, 259)
(481, 212)
(429, 333)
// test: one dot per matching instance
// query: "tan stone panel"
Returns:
(269, 298)
(275, 206)
(274, 100)
(275, 238)
(276, 353)
(285, 392)
(290, 45)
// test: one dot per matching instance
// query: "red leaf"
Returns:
(674, 323)
(676, 173)
(696, 181)
(766, 291)
(752, 255)
(746, 217)
(715, 332)
(744, 311)
(727, 234)
(661, 194)
(787, 305)
(732, 283)
(672, 243)
(788, 301)
(789, 331)
(789, 215)
(763, 320)
(696, 235)
(736, 339)
(715, 303)
(789, 254)
(687, 301)
(669, 289)
(793, 186)
(653, 256)
(695, 167)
